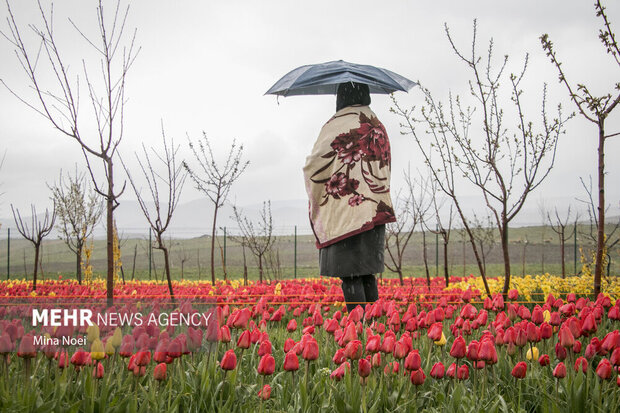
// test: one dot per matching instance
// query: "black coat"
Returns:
(360, 254)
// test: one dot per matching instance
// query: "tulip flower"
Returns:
(513, 294)
(581, 364)
(96, 350)
(79, 358)
(311, 350)
(291, 361)
(264, 348)
(373, 344)
(291, 326)
(438, 370)
(435, 331)
(98, 371)
(603, 370)
(417, 377)
(224, 335)
(376, 360)
(400, 350)
(363, 368)
(266, 365)
(339, 373)
(560, 352)
(459, 348)
(532, 353)
(229, 360)
(519, 370)
(559, 371)
(353, 350)
(244, 340)
(265, 392)
(159, 373)
(472, 351)
(463, 372)
(566, 337)
(544, 360)
(413, 361)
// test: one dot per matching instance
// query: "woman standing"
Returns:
(347, 179)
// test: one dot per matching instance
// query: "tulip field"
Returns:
(291, 346)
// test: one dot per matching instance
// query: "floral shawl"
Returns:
(347, 176)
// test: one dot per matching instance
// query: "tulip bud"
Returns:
(417, 377)
(544, 360)
(265, 392)
(519, 370)
(559, 371)
(291, 361)
(459, 348)
(462, 372)
(581, 364)
(364, 368)
(438, 370)
(311, 350)
(229, 360)
(413, 361)
(603, 370)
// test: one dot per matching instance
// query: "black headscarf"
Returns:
(351, 93)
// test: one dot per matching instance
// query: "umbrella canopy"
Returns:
(324, 78)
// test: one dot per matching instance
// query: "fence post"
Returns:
(575, 248)
(295, 255)
(436, 251)
(150, 253)
(8, 253)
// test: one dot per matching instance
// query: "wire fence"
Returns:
(293, 254)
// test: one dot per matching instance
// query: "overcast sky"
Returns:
(205, 65)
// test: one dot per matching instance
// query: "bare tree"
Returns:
(35, 232)
(595, 109)
(164, 192)
(78, 209)
(443, 227)
(59, 101)
(484, 235)
(506, 166)
(398, 234)
(612, 238)
(558, 225)
(217, 179)
(258, 237)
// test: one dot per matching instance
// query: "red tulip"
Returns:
(363, 368)
(459, 348)
(339, 373)
(229, 360)
(376, 360)
(418, 377)
(98, 371)
(546, 331)
(603, 370)
(80, 358)
(560, 352)
(143, 357)
(266, 365)
(615, 357)
(451, 372)
(513, 294)
(544, 360)
(435, 331)
(462, 372)
(265, 392)
(388, 344)
(310, 350)
(581, 364)
(413, 361)
(291, 326)
(373, 344)
(244, 340)
(224, 335)
(566, 337)
(291, 362)
(473, 350)
(26, 347)
(264, 348)
(519, 370)
(559, 371)
(438, 370)
(400, 350)
(353, 350)
(487, 351)
(159, 373)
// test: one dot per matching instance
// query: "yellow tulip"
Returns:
(442, 341)
(528, 355)
(97, 350)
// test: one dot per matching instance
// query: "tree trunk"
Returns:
(213, 245)
(36, 266)
(504, 237)
(110, 233)
(562, 246)
(167, 268)
(260, 267)
(600, 244)
(78, 264)
(400, 276)
(445, 262)
(425, 259)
